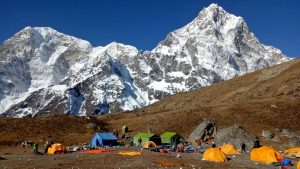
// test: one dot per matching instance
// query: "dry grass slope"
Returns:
(265, 99)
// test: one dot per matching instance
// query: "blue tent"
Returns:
(103, 139)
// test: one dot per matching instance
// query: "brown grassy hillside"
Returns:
(265, 99)
(63, 129)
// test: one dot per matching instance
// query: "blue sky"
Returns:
(144, 23)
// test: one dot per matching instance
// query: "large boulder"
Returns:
(267, 134)
(294, 141)
(294, 137)
(234, 135)
(289, 134)
(199, 131)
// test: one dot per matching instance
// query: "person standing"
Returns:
(35, 148)
(131, 141)
(243, 148)
(117, 134)
(46, 147)
(140, 142)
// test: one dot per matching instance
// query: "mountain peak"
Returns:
(217, 38)
(212, 9)
(45, 30)
(216, 14)
(39, 34)
(41, 30)
(213, 6)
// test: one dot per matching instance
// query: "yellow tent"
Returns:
(298, 166)
(292, 151)
(57, 149)
(149, 144)
(215, 155)
(228, 149)
(265, 154)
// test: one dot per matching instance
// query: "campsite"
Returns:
(80, 93)
(20, 159)
(99, 148)
(16, 157)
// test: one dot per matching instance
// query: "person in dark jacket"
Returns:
(256, 144)
(243, 148)
(140, 142)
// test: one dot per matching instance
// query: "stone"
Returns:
(91, 125)
(275, 138)
(267, 134)
(234, 135)
(294, 141)
(199, 130)
(288, 134)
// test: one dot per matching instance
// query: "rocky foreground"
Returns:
(16, 157)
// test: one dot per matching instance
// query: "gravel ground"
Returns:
(16, 157)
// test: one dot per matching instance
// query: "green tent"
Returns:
(170, 138)
(146, 137)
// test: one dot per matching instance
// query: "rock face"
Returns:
(199, 131)
(236, 136)
(54, 73)
(229, 135)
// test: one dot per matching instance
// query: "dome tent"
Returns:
(146, 137)
(265, 154)
(56, 149)
(292, 151)
(149, 144)
(215, 155)
(170, 138)
(228, 149)
(103, 139)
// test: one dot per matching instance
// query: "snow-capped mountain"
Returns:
(43, 71)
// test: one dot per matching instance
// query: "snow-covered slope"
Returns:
(43, 71)
(220, 42)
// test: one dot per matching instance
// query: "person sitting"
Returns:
(180, 147)
(199, 142)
